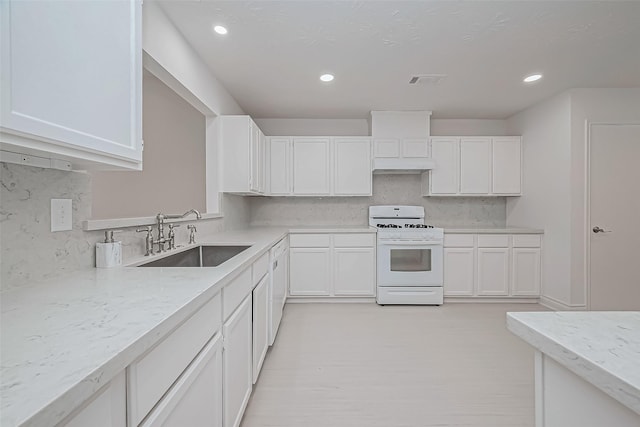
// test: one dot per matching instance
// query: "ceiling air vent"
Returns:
(427, 79)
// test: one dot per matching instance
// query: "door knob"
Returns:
(597, 229)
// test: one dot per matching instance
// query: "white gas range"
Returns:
(410, 256)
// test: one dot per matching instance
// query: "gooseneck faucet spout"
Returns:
(161, 217)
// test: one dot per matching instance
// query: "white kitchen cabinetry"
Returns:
(280, 170)
(400, 148)
(493, 271)
(475, 166)
(352, 167)
(237, 364)
(72, 81)
(260, 325)
(332, 265)
(311, 166)
(243, 154)
(319, 166)
(107, 408)
(310, 271)
(196, 398)
(492, 265)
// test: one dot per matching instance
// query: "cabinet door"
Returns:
(260, 325)
(196, 397)
(493, 271)
(415, 147)
(444, 177)
(475, 165)
(262, 164)
(458, 271)
(354, 271)
(506, 159)
(108, 408)
(311, 166)
(352, 166)
(386, 148)
(237, 364)
(309, 271)
(72, 76)
(525, 271)
(280, 166)
(254, 178)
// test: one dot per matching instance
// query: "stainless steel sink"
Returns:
(200, 256)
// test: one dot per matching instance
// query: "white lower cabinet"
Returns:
(260, 297)
(108, 408)
(332, 265)
(493, 271)
(492, 265)
(459, 265)
(196, 398)
(354, 271)
(237, 363)
(309, 271)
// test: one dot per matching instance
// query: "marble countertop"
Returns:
(492, 230)
(603, 348)
(64, 338)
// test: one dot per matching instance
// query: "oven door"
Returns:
(403, 263)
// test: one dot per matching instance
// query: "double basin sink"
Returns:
(199, 256)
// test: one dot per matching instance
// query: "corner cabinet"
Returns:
(243, 153)
(71, 81)
(475, 166)
(319, 166)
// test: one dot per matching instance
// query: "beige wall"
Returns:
(173, 178)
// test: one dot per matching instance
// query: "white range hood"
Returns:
(402, 166)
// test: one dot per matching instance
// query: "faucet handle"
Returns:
(192, 234)
(148, 229)
(173, 226)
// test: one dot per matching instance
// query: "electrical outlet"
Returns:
(61, 214)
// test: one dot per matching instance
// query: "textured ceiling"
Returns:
(275, 51)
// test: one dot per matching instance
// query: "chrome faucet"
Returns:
(161, 218)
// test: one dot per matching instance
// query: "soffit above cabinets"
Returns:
(271, 59)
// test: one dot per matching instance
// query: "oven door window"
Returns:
(410, 259)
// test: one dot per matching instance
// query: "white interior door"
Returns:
(615, 208)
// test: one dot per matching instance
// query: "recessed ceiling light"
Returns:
(326, 77)
(220, 29)
(532, 78)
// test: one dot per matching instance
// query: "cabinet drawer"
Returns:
(151, 376)
(493, 240)
(260, 268)
(458, 240)
(359, 240)
(235, 292)
(309, 240)
(526, 241)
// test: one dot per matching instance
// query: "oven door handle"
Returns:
(417, 244)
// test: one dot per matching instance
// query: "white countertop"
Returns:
(64, 338)
(332, 229)
(601, 347)
(492, 230)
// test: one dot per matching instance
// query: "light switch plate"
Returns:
(61, 214)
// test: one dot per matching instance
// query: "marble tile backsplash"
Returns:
(387, 190)
(29, 251)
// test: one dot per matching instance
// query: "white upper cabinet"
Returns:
(400, 134)
(507, 169)
(72, 81)
(279, 163)
(312, 166)
(319, 166)
(352, 167)
(475, 166)
(243, 153)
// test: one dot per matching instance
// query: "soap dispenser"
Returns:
(109, 252)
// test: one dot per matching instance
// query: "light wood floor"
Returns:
(365, 365)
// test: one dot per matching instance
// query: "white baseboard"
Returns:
(556, 305)
(333, 300)
(490, 300)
